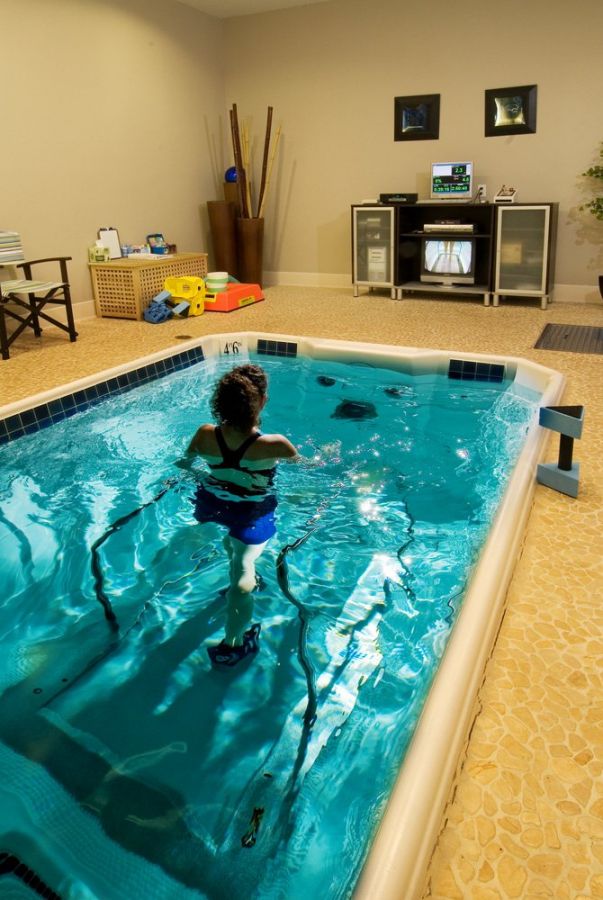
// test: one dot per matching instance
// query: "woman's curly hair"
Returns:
(237, 398)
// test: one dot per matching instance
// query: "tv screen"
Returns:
(452, 181)
(448, 260)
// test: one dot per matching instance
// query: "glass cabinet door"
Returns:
(522, 249)
(373, 244)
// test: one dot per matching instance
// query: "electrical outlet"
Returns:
(481, 191)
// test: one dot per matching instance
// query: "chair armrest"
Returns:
(33, 262)
(62, 261)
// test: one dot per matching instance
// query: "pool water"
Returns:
(267, 780)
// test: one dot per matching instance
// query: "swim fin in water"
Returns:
(225, 655)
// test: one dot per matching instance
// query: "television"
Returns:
(448, 260)
(451, 181)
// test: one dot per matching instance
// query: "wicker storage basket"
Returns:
(123, 288)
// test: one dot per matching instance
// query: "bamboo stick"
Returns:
(247, 167)
(265, 159)
(241, 176)
(272, 157)
(236, 160)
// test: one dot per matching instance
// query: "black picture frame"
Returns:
(510, 110)
(417, 118)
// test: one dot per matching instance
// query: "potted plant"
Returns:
(595, 206)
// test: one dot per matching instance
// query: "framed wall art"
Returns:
(417, 118)
(510, 110)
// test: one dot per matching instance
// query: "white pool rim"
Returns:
(397, 863)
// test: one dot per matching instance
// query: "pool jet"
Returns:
(355, 409)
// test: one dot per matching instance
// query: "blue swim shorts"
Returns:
(248, 521)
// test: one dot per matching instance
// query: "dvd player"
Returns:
(398, 198)
(449, 226)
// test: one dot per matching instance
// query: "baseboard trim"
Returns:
(576, 293)
(84, 310)
(308, 279)
(562, 293)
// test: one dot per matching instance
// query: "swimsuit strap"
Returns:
(231, 459)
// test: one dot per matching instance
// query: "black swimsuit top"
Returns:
(249, 480)
(231, 459)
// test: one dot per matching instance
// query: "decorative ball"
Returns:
(230, 174)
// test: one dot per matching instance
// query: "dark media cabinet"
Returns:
(513, 248)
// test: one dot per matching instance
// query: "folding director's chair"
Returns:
(23, 299)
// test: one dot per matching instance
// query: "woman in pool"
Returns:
(238, 493)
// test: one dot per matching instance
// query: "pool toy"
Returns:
(188, 288)
(185, 286)
(158, 311)
(234, 297)
(216, 282)
(182, 296)
(181, 309)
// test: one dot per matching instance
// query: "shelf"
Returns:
(445, 288)
(521, 290)
(446, 235)
(515, 228)
(534, 276)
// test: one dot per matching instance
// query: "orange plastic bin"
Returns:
(234, 297)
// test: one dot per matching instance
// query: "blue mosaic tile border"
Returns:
(469, 370)
(277, 348)
(39, 417)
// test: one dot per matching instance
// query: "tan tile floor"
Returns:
(525, 817)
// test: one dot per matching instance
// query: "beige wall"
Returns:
(107, 106)
(332, 71)
(133, 99)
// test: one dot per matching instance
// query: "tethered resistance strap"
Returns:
(282, 575)
(95, 563)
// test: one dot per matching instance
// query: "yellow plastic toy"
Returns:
(189, 288)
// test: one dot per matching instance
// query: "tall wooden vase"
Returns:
(222, 217)
(250, 250)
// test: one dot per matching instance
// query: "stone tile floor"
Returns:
(525, 816)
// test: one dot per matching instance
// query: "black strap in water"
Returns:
(95, 562)
(282, 573)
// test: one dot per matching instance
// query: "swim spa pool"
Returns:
(178, 621)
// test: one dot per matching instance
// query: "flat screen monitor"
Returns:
(451, 181)
(448, 260)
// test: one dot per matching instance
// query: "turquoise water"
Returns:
(267, 781)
